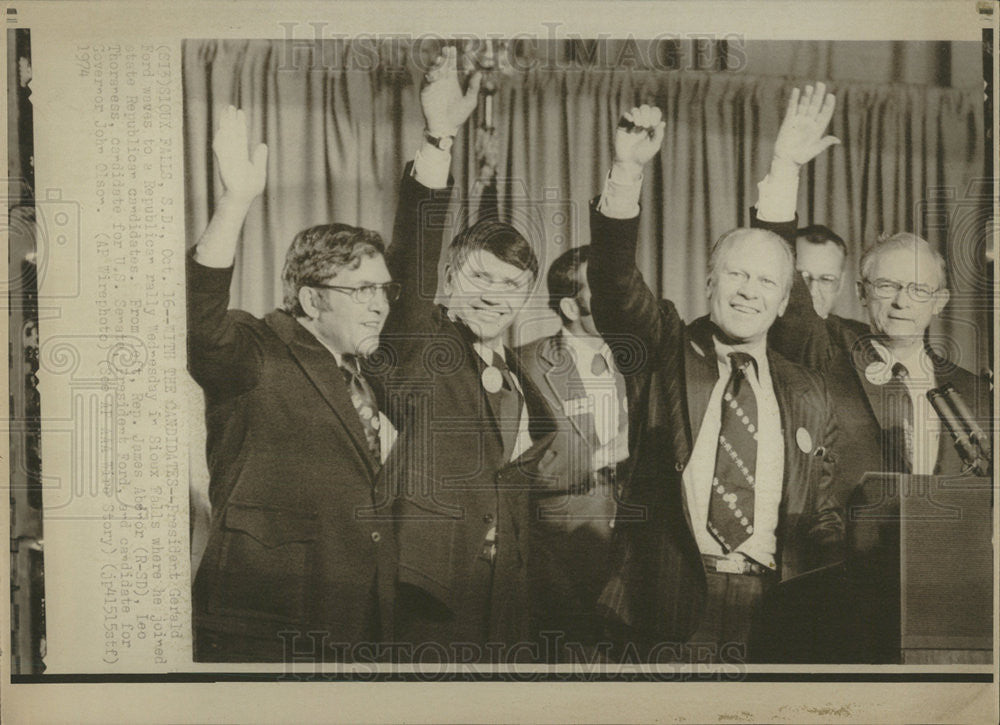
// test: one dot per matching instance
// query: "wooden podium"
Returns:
(916, 586)
(920, 556)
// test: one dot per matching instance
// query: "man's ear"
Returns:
(309, 302)
(941, 298)
(449, 280)
(862, 294)
(569, 308)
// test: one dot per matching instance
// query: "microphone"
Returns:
(968, 451)
(968, 420)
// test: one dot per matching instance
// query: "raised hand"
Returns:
(638, 137)
(243, 176)
(801, 136)
(444, 105)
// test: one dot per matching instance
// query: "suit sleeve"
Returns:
(800, 334)
(413, 256)
(626, 311)
(224, 353)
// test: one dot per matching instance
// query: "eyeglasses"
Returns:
(366, 292)
(887, 289)
(826, 281)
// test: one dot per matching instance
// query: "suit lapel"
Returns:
(701, 373)
(564, 380)
(321, 368)
(871, 371)
(790, 394)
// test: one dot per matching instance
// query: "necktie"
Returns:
(598, 366)
(507, 402)
(901, 417)
(730, 512)
(363, 400)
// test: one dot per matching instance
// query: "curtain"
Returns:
(342, 119)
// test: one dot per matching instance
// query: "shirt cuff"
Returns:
(620, 199)
(431, 166)
(777, 194)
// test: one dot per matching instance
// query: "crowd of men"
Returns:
(391, 481)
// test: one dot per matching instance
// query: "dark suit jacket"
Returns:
(840, 350)
(659, 589)
(571, 522)
(290, 548)
(448, 471)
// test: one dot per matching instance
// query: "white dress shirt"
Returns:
(602, 401)
(761, 546)
(926, 424)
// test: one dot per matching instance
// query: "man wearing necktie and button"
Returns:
(474, 431)
(731, 468)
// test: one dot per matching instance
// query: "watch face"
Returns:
(445, 143)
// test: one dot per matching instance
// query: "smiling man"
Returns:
(295, 438)
(473, 426)
(878, 373)
(730, 439)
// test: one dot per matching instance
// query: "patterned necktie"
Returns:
(901, 415)
(731, 506)
(508, 403)
(363, 400)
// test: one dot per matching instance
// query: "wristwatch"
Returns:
(441, 142)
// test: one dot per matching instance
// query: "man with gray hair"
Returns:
(879, 374)
(729, 439)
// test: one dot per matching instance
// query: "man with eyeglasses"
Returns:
(821, 258)
(296, 441)
(473, 427)
(878, 373)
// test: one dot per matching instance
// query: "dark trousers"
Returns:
(732, 609)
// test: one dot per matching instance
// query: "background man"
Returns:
(572, 525)
(472, 424)
(731, 462)
(821, 259)
(295, 440)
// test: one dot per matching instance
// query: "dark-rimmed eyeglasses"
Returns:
(366, 292)
(887, 289)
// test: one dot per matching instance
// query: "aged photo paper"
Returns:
(111, 109)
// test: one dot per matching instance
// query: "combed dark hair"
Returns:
(564, 277)
(499, 239)
(819, 234)
(320, 253)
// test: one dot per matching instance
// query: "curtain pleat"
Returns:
(341, 122)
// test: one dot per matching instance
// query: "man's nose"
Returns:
(379, 302)
(902, 298)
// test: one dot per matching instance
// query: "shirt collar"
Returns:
(918, 364)
(336, 355)
(584, 348)
(757, 350)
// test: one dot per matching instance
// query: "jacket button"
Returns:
(488, 519)
(376, 536)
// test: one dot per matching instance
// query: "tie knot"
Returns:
(899, 371)
(741, 362)
(351, 365)
(598, 366)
